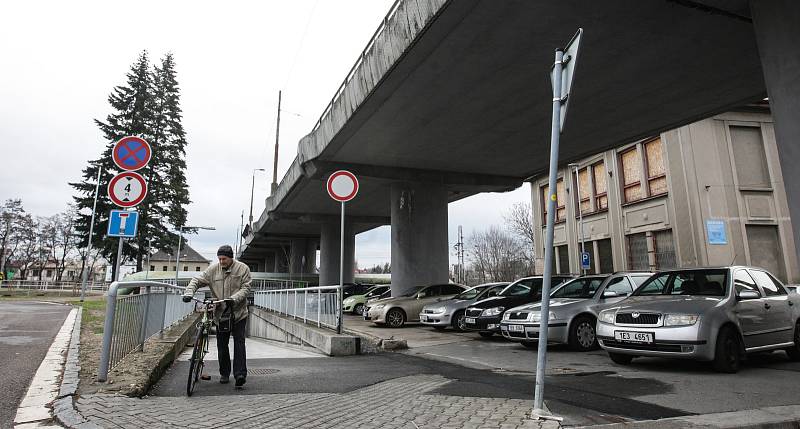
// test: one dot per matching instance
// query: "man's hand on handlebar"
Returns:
(187, 298)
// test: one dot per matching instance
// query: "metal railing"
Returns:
(255, 284)
(132, 319)
(49, 286)
(315, 305)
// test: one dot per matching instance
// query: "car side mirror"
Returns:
(748, 294)
(611, 294)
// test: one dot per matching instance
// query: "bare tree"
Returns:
(520, 221)
(60, 239)
(28, 249)
(11, 215)
(496, 255)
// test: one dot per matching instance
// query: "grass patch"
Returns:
(94, 314)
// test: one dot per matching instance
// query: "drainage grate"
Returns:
(262, 371)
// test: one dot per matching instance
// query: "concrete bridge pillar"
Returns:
(329, 245)
(310, 266)
(778, 38)
(420, 253)
(303, 256)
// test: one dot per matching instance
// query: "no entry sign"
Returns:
(127, 189)
(342, 186)
(131, 153)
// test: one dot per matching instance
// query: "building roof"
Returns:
(187, 255)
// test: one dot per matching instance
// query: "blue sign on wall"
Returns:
(715, 229)
(586, 261)
(122, 223)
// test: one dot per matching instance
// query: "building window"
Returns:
(49, 273)
(600, 186)
(664, 247)
(197, 268)
(185, 268)
(562, 253)
(165, 268)
(631, 174)
(592, 188)
(584, 189)
(656, 169)
(605, 256)
(152, 267)
(36, 273)
(561, 207)
(637, 252)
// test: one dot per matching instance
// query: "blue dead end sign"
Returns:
(122, 223)
(131, 153)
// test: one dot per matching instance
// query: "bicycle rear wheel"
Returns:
(196, 363)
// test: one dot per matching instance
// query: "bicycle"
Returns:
(200, 344)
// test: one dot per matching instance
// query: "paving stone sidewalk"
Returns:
(403, 402)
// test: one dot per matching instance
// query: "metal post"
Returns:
(108, 331)
(143, 327)
(91, 234)
(274, 185)
(305, 305)
(178, 255)
(541, 356)
(580, 215)
(319, 306)
(119, 260)
(339, 294)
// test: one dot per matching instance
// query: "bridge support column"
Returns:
(419, 235)
(310, 266)
(329, 244)
(303, 256)
(778, 38)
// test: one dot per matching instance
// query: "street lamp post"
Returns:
(580, 212)
(252, 191)
(178, 255)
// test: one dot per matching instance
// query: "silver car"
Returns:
(711, 314)
(440, 315)
(394, 312)
(573, 310)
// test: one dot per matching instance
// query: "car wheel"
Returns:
(459, 321)
(582, 336)
(728, 351)
(794, 352)
(486, 334)
(439, 328)
(620, 358)
(359, 309)
(530, 344)
(395, 318)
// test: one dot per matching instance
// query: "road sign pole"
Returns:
(119, 260)
(580, 214)
(340, 294)
(85, 273)
(541, 356)
(178, 256)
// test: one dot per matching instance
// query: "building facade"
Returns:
(709, 193)
(190, 260)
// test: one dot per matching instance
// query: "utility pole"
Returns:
(580, 212)
(85, 274)
(277, 139)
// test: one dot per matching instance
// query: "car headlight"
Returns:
(436, 309)
(347, 300)
(537, 317)
(680, 319)
(379, 306)
(607, 316)
(493, 311)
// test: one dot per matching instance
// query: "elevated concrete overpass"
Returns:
(452, 98)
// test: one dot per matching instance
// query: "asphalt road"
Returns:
(26, 331)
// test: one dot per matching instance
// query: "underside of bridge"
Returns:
(453, 98)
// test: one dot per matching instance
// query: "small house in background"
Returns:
(190, 260)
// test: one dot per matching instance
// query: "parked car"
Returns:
(710, 314)
(371, 301)
(394, 312)
(440, 315)
(573, 310)
(485, 315)
(792, 288)
(355, 303)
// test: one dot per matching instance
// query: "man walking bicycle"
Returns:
(229, 281)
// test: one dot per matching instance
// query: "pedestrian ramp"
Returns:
(256, 349)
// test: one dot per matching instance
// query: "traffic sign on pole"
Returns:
(131, 153)
(122, 223)
(127, 189)
(568, 64)
(342, 186)
(586, 261)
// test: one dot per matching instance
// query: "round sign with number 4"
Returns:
(127, 189)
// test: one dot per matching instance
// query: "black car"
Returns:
(484, 316)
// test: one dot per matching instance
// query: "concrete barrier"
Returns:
(270, 326)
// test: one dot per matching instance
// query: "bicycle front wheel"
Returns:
(196, 363)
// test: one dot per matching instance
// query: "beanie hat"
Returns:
(225, 250)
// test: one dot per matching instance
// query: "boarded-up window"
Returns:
(600, 186)
(562, 252)
(561, 203)
(637, 252)
(605, 256)
(665, 250)
(765, 251)
(656, 169)
(585, 190)
(631, 174)
(749, 156)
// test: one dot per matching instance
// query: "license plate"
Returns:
(470, 320)
(515, 328)
(634, 337)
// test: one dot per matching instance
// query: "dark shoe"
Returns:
(240, 381)
(224, 380)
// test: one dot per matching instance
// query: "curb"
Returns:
(786, 416)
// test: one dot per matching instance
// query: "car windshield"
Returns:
(579, 288)
(470, 293)
(523, 287)
(413, 291)
(690, 282)
(377, 290)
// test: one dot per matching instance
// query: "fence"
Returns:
(45, 286)
(255, 284)
(319, 305)
(132, 319)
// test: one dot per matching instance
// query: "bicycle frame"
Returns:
(200, 344)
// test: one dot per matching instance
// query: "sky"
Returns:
(59, 61)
